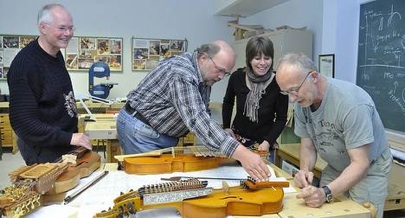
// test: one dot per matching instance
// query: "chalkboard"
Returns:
(381, 59)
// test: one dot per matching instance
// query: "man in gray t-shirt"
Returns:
(338, 121)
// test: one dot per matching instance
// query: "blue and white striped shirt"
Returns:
(174, 99)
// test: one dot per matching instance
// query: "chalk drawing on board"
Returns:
(381, 59)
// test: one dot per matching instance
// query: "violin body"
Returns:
(167, 163)
(237, 201)
(87, 163)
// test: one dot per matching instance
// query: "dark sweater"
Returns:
(272, 112)
(42, 107)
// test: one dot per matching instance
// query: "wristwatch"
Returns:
(328, 193)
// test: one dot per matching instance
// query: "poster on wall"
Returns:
(10, 45)
(147, 52)
(80, 54)
(326, 64)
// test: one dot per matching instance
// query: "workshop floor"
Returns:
(11, 162)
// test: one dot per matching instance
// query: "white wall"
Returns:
(192, 20)
(340, 35)
(296, 14)
(334, 24)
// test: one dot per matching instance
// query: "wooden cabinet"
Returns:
(284, 41)
(8, 137)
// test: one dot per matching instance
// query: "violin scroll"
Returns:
(252, 184)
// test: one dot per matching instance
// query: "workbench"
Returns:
(101, 195)
(342, 207)
(102, 128)
(396, 188)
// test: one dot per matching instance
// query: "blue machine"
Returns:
(100, 69)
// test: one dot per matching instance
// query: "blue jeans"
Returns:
(137, 137)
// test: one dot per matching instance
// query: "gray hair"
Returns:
(208, 49)
(44, 15)
(302, 62)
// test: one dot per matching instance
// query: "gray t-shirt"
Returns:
(346, 119)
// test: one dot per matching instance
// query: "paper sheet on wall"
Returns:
(100, 196)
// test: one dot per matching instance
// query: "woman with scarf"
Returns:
(261, 110)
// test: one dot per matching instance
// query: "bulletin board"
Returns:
(10, 45)
(80, 54)
(147, 52)
(84, 51)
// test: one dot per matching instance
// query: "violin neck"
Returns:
(78, 152)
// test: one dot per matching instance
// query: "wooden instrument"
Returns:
(42, 176)
(29, 183)
(251, 184)
(86, 163)
(181, 159)
(219, 203)
(166, 163)
(17, 201)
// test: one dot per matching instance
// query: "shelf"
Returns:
(244, 8)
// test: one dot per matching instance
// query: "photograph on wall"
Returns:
(103, 46)
(154, 48)
(71, 60)
(11, 41)
(25, 40)
(116, 47)
(87, 43)
(114, 62)
(147, 52)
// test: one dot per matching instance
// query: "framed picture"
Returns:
(327, 65)
(83, 51)
(10, 45)
(147, 52)
(79, 55)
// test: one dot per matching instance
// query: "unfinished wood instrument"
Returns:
(181, 159)
(28, 184)
(86, 162)
(195, 200)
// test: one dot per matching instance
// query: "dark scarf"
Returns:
(257, 85)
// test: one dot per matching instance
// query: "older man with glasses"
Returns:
(42, 105)
(338, 121)
(173, 99)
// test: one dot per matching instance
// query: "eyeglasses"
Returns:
(63, 28)
(221, 70)
(295, 92)
(66, 28)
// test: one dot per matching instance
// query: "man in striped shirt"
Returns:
(173, 100)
